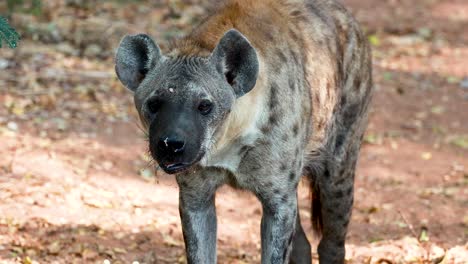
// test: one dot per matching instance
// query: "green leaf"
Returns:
(460, 141)
(8, 34)
(374, 40)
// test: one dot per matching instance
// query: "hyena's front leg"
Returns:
(277, 229)
(279, 202)
(198, 216)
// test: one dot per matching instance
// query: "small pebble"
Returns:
(12, 126)
(464, 83)
(4, 64)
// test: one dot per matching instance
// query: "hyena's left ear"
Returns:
(237, 60)
(136, 55)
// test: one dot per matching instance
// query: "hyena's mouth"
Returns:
(172, 168)
(177, 167)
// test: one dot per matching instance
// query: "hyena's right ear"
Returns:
(136, 55)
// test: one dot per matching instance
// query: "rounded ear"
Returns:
(136, 55)
(236, 59)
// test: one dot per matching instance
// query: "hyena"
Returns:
(258, 95)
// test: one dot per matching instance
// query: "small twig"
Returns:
(30, 93)
(410, 226)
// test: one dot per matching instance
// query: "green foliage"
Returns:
(8, 34)
(32, 6)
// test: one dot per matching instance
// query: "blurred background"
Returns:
(76, 184)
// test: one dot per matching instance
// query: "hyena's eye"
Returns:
(153, 106)
(205, 107)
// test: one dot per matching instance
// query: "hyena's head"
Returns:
(182, 101)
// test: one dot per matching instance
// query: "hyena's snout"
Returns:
(175, 145)
(170, 151)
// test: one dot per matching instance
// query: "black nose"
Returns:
(171, 144)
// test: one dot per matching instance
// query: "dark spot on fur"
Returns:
(285, 198)
(268, 185)
(340, 243)
(340, 139)
(255, 167)
(276, 191)
(326, 174)
(339, 194)
(357, 83)
(343, 101)
(244, 149)
(273, 96)
(340, 181)
(294, 36)
(184, 184)
(292, 175)
(320, 124)
(349, 191)
(342, 171)
(281, 55)
(296, 13)
(266, 129)
(345, 223)
(273, 119)
(295, 129)
(340, 215)
(317, 11)
(292, 84)
(282, 166)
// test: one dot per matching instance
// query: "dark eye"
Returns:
(205, 107)
(153, 106)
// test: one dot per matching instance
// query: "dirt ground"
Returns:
(76, 185)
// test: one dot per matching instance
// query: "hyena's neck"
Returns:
(257, 20)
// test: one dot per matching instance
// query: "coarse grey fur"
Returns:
(282, 95)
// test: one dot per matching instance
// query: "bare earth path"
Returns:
(76, 185)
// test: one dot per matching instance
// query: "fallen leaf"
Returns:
(424, 237)
(27, 260)
(426, 156)
(54, 248)
(438, 109)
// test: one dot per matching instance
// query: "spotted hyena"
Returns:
(259, 94)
